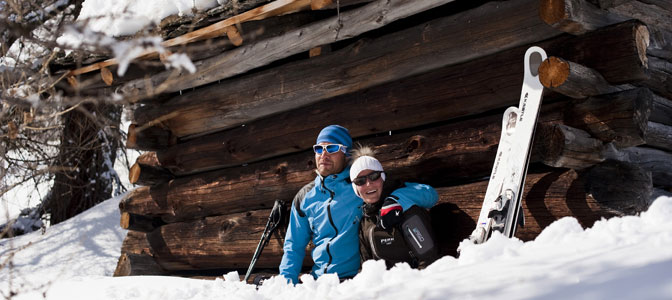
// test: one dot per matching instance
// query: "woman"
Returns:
(380, 235)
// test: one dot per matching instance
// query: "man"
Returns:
(326, 211)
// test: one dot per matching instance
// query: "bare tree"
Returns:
(50, 133)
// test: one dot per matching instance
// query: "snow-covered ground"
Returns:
(619, 258)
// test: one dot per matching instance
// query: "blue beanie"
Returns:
(336, 134)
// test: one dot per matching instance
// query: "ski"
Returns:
(502, 210)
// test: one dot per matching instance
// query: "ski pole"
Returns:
(274, 220)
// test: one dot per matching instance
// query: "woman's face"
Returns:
(371, 190)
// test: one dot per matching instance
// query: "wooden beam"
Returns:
(626, 188)
(664, 4)
(660, 43)
(149, 137)
(659, 135)
(660, 78)
(248, 57)
(574, 80)
(139, 223)
(661, 111)
(228, 241)
(219, 242)
(147, 170)
(655, 161)
(627, 111)
(136, 243)
(562, 146)
(467, 148)
(284, 87)
(576, 16)
(648, 13)
(579, 82)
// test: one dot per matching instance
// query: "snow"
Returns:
(620, 258)
(126, 17)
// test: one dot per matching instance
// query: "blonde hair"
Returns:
(362, 151)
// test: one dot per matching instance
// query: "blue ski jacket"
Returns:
(331, 214)
(418, 194)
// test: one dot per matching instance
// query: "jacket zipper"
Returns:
(331, 221)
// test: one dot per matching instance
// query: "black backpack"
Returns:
(412, 241)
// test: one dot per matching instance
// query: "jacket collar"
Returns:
(343, 175)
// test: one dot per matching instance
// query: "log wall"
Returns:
(427, 92)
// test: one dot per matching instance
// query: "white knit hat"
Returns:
(364, 163)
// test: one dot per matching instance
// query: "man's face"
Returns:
(329, 163)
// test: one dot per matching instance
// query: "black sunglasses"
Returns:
(361, 180)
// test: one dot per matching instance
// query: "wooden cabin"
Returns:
(424, 82)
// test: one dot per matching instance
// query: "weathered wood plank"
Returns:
(248, 57)
(222, 242)
(660, 43)
(139, 223)
(147, 170)
(351, 69)
(659, 135)
(647, 13)
(228, 241)
(662, 110)
(562, 146)
(468, 94)
(149, 137)
(471, 91)
(660, 79)
(467, 148)
(628, 113)
(194, 118)
(576, 16)
(655, 161)
(664, 4)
